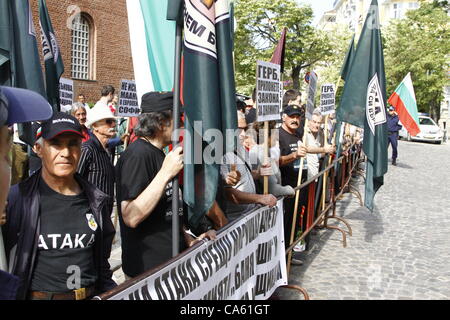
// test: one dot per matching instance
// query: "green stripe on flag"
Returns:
(160, 37)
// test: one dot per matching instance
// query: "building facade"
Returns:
(351, 13)
(93, 37)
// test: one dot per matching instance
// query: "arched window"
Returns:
(81, 43)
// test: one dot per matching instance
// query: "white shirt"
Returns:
(313, 158)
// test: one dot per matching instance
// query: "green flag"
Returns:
(19, 58)
(344, 74)
(363, 101)
(348, 59)
(54, 66)
(209, 99)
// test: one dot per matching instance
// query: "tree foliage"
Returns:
(259, 27)
(420, 44)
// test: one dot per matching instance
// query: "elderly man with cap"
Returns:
(291, 150)
(16, 106)
(393, 128)
(144, 189)
(58, 237)
(95, 163)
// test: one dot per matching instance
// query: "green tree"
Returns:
(420, 44)
(329, 69)
(259, 27)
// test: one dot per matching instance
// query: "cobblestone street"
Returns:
(401, 250)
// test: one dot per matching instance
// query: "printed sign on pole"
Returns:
(65, 92)
(267, 91)
(311, 95)
(327, 99)
(128, 102)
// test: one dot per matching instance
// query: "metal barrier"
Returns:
(349, 167)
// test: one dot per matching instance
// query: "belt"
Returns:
(79, 294)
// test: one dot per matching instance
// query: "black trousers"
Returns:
(393, 141)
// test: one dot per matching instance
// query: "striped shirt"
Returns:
(95, 166)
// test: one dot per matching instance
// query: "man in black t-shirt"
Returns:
(144, 189)
(57, 231)
(291, 150)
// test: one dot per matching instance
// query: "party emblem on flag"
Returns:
(207, 3)
(375, 110)
(91, 221)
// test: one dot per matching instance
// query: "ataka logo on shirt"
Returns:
(91, 221)
(375, 110)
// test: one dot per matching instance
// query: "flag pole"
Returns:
(325, 176)
(266, 154)
(175, 142)
(297, 197)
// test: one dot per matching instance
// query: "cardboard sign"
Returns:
(310, 105)
(128, 102)
(327, 99)
(65, 92)
(268, 98)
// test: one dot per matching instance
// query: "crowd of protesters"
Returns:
(57, 224)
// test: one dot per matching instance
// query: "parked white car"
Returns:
(429, 131)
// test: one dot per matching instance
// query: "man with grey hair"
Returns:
(316, 147)
(57, 232)
(79, 112)
(144, 189)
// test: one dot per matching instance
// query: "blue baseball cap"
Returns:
(21, 105)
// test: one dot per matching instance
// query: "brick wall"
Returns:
(113, 60)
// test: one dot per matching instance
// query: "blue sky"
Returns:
(319, 7)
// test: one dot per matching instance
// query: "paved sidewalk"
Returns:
(401, 250)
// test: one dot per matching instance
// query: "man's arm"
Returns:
(240, 197)
(327, 149)
(216, 215)
(137, 210)
(301, 152)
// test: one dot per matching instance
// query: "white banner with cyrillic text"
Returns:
(246, 261)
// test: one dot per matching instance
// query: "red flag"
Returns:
(278, 55)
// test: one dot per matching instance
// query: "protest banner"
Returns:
(65, 92)
(267, 91)
(246, 261)
(128, 102)
(327, 99)
(311, 95)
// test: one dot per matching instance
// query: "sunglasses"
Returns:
(110, 121)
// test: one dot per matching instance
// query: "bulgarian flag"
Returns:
(404, 102)
(152, 39)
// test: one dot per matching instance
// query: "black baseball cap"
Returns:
(293, 109)
(60, 123)
(156, 101)
(21, 105)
